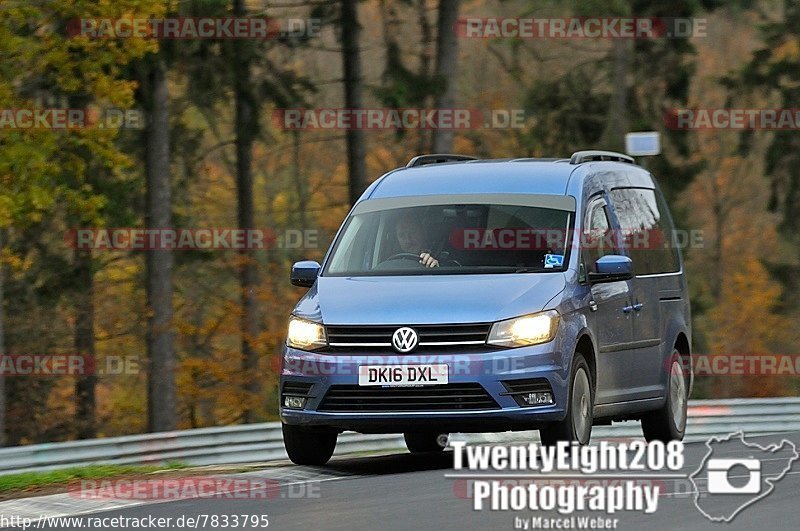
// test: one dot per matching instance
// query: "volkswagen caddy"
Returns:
(464, 295)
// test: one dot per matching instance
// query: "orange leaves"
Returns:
(728, 202)
(788, 50)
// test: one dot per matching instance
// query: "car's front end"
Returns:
(483, 392)
(432, 313)
(468, 366)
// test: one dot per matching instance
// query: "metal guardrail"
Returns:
(255, 443)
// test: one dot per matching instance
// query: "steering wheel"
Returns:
(403, 256)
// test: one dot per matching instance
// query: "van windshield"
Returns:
(452, 239)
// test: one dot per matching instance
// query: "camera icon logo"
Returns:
(736, 473)
(719, 472)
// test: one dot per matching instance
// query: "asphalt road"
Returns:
(403, 491)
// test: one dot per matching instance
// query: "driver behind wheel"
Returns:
(409, 235)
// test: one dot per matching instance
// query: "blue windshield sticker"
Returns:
(553, 260)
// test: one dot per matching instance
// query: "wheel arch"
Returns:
(685, 350)
(585, 345)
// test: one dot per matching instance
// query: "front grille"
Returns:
(296, 388)
(429, 335)
(446, 397)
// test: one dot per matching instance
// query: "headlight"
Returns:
(526, 330)
(305, 335)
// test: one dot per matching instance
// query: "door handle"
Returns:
(638, 306)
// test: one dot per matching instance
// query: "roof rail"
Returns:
(436, 158)
(537, 159)
(591, 156)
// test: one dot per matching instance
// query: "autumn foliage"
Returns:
(734, 186)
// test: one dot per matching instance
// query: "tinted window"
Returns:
(646, 230)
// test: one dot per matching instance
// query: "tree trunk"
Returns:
(299, 183)
(85, 384)
(617, 121)
(161, 392)
(351, 62)
(446, 64)
(424, 137)
(2, 343)
(246, 113)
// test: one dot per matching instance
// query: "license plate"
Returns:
(398, 375)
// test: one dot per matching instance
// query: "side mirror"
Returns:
(612, 268)
(304, 273)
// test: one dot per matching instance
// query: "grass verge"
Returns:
(28, 481)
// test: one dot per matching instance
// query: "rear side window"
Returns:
(647, 232)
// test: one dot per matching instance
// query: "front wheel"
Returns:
(577, 425)
(669, 423)
(309, 446)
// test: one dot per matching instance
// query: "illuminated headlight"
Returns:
(305, 335)
(526, 330)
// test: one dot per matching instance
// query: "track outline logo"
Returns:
(714, 470)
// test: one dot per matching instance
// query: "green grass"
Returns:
(30, 480)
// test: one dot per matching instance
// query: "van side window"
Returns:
(595, 240)
(647, 231)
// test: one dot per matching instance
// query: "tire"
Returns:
(577, 425)
(309, 446)
(419, 442)
(669, 422)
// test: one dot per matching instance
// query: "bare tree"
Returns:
(2, 343)
(617, 122)
(446, 67)
(351, 62)
(161, 391)
(85, 346)
(246, 113)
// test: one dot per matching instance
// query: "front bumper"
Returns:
(489, 368)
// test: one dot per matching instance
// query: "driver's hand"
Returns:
(427, 260)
